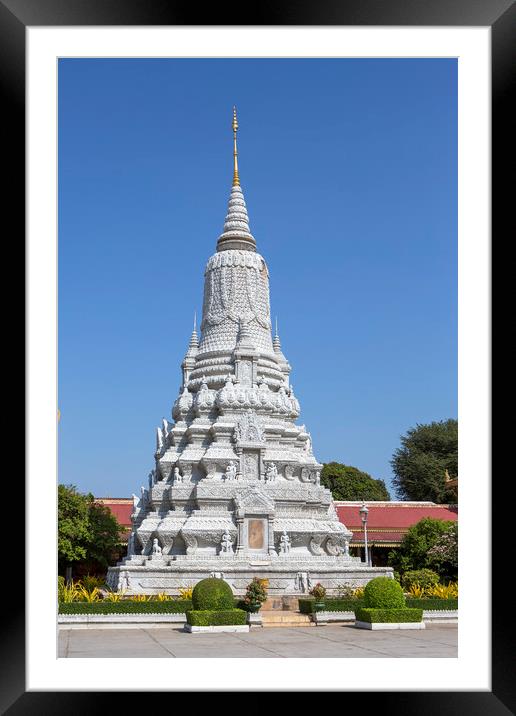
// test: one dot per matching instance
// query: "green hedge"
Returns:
(383, 593)
(374, 616)
(212, 594)
(177, 606)
(306, 606)
(429, 603)
(210, 617)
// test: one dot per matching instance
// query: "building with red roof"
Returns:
(388, 522)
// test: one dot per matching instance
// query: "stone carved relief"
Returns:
(245, 372)
(289, 472)
(303, 583)
(251, 466)
(191, 542)
(306, 475)
(236, 287)
(249, 429)
(333, 547)
(315, 545)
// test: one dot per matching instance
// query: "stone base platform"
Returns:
(288, 579)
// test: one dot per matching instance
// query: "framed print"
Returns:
(36, 38)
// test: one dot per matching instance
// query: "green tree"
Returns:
(350, 483)
(105, 533)
(87, 530)
(73, 525)
(420, 464)
(415, 549)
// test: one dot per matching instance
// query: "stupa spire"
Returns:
(194, 339)
(236, 178)
(236, 234)
(276, 343)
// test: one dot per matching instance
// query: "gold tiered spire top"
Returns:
(236, 179)
(236, 234)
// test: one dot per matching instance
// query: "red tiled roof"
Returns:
(394, 515)
(121, 507)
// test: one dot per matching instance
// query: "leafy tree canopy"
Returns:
(420, 464)
(350, 483)
(87, 530)
(416, 550)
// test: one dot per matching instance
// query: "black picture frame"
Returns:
(500, 16)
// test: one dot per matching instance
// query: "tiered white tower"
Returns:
(236, 489)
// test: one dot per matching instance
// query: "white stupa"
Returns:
(236, 488)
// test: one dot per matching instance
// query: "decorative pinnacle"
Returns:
(236, 179)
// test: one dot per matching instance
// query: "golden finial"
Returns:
(236, 180)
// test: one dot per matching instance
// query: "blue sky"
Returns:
(349, 170)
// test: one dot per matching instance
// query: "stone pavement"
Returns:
(333, 641)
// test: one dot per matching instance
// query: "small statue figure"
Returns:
(346, 548)
(178, 478)
(126, 580)
(271, 473)
(284, 543)
(156, 549)
(130, 545)
(231, 471)
(151, 479)
(143, 491)
(308, 444)
(317, 477)
(226, 543)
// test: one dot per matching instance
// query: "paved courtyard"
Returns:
(336, 640)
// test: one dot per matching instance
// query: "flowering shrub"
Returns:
(318, 592)
(256, 592)
(443, 555)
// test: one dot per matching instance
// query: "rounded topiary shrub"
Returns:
(212, 593)
(384, 593)
(425, 578)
